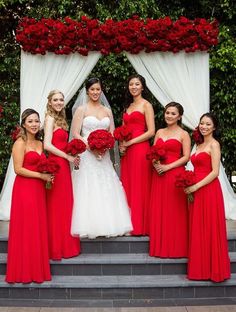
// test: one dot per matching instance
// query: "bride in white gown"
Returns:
(100, 205)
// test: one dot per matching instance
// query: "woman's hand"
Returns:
(160, 168)
(71, 158)
(48, 177)
(191, 189)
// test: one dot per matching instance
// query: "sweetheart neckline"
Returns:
(196, 154)
(40, 154)
(96, 117)
(134, 112)
(169, 139)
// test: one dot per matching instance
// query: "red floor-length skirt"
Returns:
(136, 175)
(28, 258)
(59, 206)
(169, 208)
(208, 248)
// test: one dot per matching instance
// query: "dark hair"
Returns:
(26, 113)
(216, 132)
(179, 108)
(92, 81)
(128, 96)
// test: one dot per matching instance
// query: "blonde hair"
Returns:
(59, 117)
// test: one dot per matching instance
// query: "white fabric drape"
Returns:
(39, 75)
(184, 78)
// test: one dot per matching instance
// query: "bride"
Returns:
(100, 206)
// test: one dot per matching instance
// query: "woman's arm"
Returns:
(112, 124)
(215, 163)
(76, 124)
(48, 133)
(18, 152)
(149, 117)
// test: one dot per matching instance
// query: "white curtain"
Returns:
(184, 78)
(39, 75)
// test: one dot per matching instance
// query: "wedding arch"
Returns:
(173, 56)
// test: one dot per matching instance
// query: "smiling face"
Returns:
(94, 92)
(57, 102)
(206, 126)
(135, 87)
(172, 115)
(32, 124)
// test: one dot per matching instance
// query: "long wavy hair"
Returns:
(22, 133)
(128, 97)
(59, 117)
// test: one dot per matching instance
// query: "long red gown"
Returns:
(208, 249)
(59, 206)
(136, 174)
(28, 258)
(169, 208)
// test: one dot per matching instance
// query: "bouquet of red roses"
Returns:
(100, 140)
(156, 154)
(185, 179)
(48, 166)
(75, 147)
(123, 133)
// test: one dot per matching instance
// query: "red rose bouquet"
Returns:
(75, 147)
(156, 155)
(185, 179)
(122, 133)
(100, 140)
(197, 137)
(48, 166)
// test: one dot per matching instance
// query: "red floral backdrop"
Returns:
(64, 36)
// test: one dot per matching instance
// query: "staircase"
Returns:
(118, 272)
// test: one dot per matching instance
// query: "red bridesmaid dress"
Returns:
(208, 248)
(169, 208)
(59, 206)
(136, 174)
(28, 258)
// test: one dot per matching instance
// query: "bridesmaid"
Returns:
(60, 196)
(168, 204)
(208, 251)
(28, 259)
(135, 169)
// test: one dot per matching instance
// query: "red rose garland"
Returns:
(64, 36)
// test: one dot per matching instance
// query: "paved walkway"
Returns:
(158, 309)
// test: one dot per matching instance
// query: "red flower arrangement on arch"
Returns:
(64, 36)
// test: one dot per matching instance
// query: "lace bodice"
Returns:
(91, 123)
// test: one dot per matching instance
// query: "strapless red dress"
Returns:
(136, 174)
(169, 208)
(28, 258)
(59, 206)
(208, 248)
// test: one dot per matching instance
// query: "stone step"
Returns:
(122, 245)
(132, 287)
(117, 264)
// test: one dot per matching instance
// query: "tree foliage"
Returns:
(114, 69)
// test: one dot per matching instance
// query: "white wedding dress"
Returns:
(100, 205)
